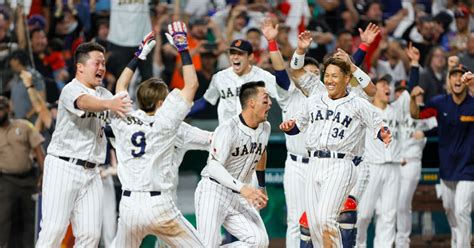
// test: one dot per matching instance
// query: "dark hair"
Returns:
(82, 51)
(249, 90)
(368, 4)
(345, 67)
(311, 61)
(56, 44)
(430, 55)
(344, 31)
(21, 56)
(256, 30)
(150, 92)
(36, 30)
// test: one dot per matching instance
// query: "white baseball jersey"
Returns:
(239, 149)
(145, 145)
(225, 87)
(68, 187)
(145, 148)
(335, 125)
(79, 134)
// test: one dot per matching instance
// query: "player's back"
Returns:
(239, 147)
(145, 145)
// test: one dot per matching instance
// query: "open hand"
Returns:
(287, 125)
(254, 196)
(304, 40)
(120, 103)
(269, 30)
(412, 53)
(368, 35)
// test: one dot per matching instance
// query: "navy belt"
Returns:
(80, 162)
(214, 180)
(326, 154)
(295, 158)
(152, 193)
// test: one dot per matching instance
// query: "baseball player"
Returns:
(72, 188)
(455, 115)
(145, 143)
(331, 119)
(225, 85)
(238, 149)
(412, 135)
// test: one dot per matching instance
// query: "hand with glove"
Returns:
(177, 36)
(146, 46)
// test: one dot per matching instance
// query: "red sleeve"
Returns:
(427, 113)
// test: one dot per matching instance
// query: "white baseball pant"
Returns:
(71, 193)
(383, 186)
(328, 183)
(294, 185)
(142, 214)
(457, 202)
(363, 175)
(409, 177)
(109, 220)
(217, 205)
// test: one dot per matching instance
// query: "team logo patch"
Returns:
(467, 118)
(238, 43)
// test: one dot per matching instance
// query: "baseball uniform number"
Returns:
(138, 140)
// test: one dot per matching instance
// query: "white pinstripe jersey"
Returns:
(145, 145)
(238, 147)
(337, 125)
(225, 87)
(412, 148)
(393, 115)
(79, 134)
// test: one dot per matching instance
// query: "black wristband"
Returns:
(261, 178)
(186, 58)
(133, 64)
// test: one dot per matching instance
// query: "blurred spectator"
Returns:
(421, 34)
(260, 56)
(22, 107)
(236, 19)
(455, 42)
(322, 39)
(199, 9)
(432, 78)
(56, 60)
(467, 57)
(204, 76)
(39, 46)
(18, 180)
(344, 41)
(373, 12)
(7, 46)
(129, 23)
(394, 64)
(297, 17)
(283, 41)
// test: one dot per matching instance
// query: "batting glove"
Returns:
(146, 46)
(177, 36)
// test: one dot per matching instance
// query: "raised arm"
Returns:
(361, 77)
(414, 108)
(297, 61)
(177, 36)
(270, 32)
(37, 101)
(413, 55)
(144, 49)
(367, 36)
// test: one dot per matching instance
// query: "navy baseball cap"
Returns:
(387, 78)
(400, 85)
(241, 46)
(460, 68)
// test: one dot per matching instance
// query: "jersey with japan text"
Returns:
(79, 134)
(238, 148)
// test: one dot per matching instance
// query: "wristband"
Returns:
(361, 77)
(297, 61)
(186, 57)
(272, 46)
(133, 64)
(363, 47)
(261, 178)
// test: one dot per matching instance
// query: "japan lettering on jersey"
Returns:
(238, 147)
(145, 145)
(337, 125)
(79, 134)
(225, 86)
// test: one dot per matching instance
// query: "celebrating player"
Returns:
(224, 196)
(72, 188)
(332, 118)
(145, 146)
(455, 115)
(225, 85)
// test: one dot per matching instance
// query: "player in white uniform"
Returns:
(224, 196)
(332, 118)
(414, 141)
(291, 100)
(145, 143)
(225, 85)
(72, 188)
